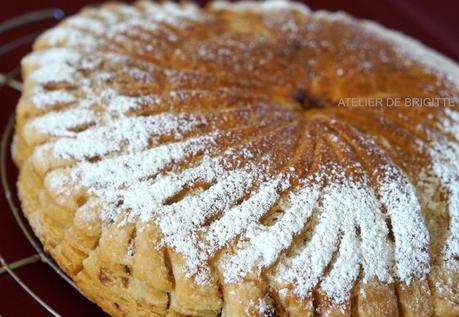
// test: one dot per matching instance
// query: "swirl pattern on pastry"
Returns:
(198, 161)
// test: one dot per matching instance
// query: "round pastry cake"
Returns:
(243, 159)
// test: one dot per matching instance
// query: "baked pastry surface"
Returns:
(184, 161)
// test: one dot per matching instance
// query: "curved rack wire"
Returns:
(9, 80)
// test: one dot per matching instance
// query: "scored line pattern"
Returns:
(195, 161)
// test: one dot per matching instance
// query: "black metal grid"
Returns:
(9, 79)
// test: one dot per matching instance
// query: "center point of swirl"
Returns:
(307, 101)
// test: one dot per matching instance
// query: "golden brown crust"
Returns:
(271, 82)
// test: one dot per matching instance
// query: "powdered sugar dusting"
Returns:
(116, 124)
(121, 104)
(110, 174)
(269, 5)
(66, 36)
(451, 126)
(339, 282)
(156, 191)
(44, 99)
(246, 214)
(54, 73)
(61, 123)
(398, 196)
(172, 13)
(410, 233)
(180, 222)
(60, 55)
(136, 133)
(86, 23)
(445, 159)
(337, 215)
(267, 243)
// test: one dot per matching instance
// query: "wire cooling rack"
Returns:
(9, 79)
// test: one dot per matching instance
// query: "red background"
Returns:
(433, 22)
(436, 23)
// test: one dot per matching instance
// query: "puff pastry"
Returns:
(181, 161)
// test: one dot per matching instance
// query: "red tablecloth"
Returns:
(433, 22)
